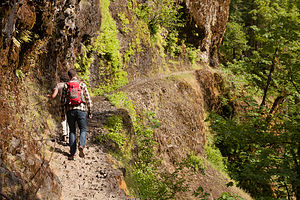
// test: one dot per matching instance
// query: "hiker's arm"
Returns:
(55, 92)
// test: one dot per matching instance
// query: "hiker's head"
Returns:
(64, 77)
(72, 73)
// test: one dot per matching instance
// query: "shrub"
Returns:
(114, 125)
(194, 162)
(215, 157)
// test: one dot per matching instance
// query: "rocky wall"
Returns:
(211, 16)
(38, 40)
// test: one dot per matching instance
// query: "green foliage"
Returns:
(173, 183)
(261, 44)
(83, 63)
(165, 20)
(261, 50)
(153, 121)
(160, 13)
(228, 196)
(144, 181)
(149, 186)
(144, 178)
(261, 151)
(129, 53)
(172, 42)
(195, 162)
(199, 192)
(193, 54)
(215, 157)
(235, 41)
(114, 125)
(108, 49)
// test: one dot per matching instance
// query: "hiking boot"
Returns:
(71, 157)
(81, 154)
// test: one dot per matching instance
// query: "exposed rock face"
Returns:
(178, 104)
(211, 16)
(38, 39)
(61, 26)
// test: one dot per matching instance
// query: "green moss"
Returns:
(107, 48)
(83, 63)
(125, 23)
(195, 162)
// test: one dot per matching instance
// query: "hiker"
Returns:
(57, 92)
(76, 103)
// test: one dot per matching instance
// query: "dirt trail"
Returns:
(94, 178)
(138, 82)
(91, 178)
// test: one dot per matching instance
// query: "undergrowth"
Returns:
(142, 165)
(83, 63)
(137, 154)
(195, 162)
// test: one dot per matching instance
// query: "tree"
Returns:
(261, 49)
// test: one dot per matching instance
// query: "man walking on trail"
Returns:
(76, 102)
(57, 93)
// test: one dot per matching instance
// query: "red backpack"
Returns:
(74, 92)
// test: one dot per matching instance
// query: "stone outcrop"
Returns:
(38, 40)
(211, 16)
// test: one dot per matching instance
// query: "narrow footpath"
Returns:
(92, 177)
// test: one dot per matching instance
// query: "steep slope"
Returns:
(180, 101)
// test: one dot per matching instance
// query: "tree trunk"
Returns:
(269, 79)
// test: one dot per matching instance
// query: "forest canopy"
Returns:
(260, 132)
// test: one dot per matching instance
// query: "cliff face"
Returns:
(211, 16)
(40, 39)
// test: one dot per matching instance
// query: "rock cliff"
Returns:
(211, 16)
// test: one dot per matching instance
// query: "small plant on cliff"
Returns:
(195, 162)
(115, 134)
(83, 63)
(25, 36)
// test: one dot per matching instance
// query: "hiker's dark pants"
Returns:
(78, 116)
